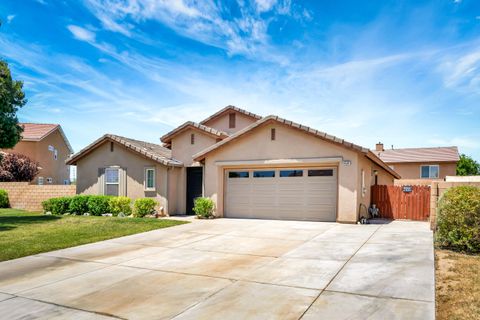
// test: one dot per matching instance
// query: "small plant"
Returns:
(79, 204)
(144, 206)
(203, 208)
(4, 203)
(57, 205)
(97, 205)
(120, 205)
(458, 224)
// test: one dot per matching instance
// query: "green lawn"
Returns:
(24, 233)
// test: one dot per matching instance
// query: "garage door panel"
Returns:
(282, 197)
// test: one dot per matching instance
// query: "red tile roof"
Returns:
(37, 131)
(438, 154)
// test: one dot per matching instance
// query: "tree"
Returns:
(467, 166)
(17, 167)
(12, 98)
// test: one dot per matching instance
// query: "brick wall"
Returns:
(436, 192)
(23, 195)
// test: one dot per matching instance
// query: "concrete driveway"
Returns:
(232, 269)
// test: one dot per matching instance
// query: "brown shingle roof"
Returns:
(228, 109)
(322, 135)
(149, 150)
(438, 154)
(190, 124)
(38, 131)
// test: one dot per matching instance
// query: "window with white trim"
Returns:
(112, 181)
(150, 179)
(40, 180)
(430, 171)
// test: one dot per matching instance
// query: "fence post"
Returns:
(433, 205)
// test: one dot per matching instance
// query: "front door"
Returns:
(194, 186)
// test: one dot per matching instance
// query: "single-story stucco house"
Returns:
(421, 163)
(250, 166)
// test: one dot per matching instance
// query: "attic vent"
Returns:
(231, 120)
(272, 134)
(192, 138)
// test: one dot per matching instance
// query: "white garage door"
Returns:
(288, 194)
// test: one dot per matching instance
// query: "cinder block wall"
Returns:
(437, 190)
(23, 195)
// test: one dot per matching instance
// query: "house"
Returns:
(47, 145)
(250, 166)
(421, 163)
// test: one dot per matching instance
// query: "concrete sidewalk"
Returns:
(229, 268)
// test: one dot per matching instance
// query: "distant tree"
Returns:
(467, 166)
(17, 167)
(12, 98)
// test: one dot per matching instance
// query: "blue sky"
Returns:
(406, 73)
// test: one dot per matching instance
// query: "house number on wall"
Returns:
(347, 162)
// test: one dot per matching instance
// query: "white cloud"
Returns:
(81, 33)
(10, 18)
(461, 69)
(265, 5)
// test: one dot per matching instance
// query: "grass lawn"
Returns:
(458, 285)
(25, 233)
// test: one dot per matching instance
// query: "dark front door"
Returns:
(194, 186)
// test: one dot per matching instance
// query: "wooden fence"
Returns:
(402, 202)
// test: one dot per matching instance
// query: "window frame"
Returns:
(145, 183)
(292, 170)
(262, 177)
(112, 183)
(239, 176)
(327, 169)
(429, 171)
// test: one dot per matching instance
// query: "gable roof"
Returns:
(39, 131)
(196, 126)
(436, 154)
(229, 109)
(319, 134)
(149, 150)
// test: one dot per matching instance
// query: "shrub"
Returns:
(98, 205)
(57, 205)
(4, 203)
(144, 206)
(458, 221)
(79, 204)
(120, 205)
(17, 167)
(203, 207)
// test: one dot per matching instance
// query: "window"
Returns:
(272, 134)
(429, 172)
(320, 173)
(66, 182)
(291, 173)
(231, 120)
(49, 180)
(111, 181)
(263, 174)
(150, 179)
(238, 174)
(364, 188)
(192, 138)
(55, 154)
(40, 180)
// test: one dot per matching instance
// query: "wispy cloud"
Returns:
(81, 33)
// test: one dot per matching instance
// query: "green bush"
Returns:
(4, 203)
(458, 219)
(144, 206)
(98, 205)
(120, 204)
(57, 205)
(203, 207)
(79, 204)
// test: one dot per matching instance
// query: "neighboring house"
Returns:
(47, 145)
(421, 163)
(251, 167)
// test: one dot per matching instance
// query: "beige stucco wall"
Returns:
(87, 173)
(289, 144)
(38, 151)
(412, 170)
(222, 122)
